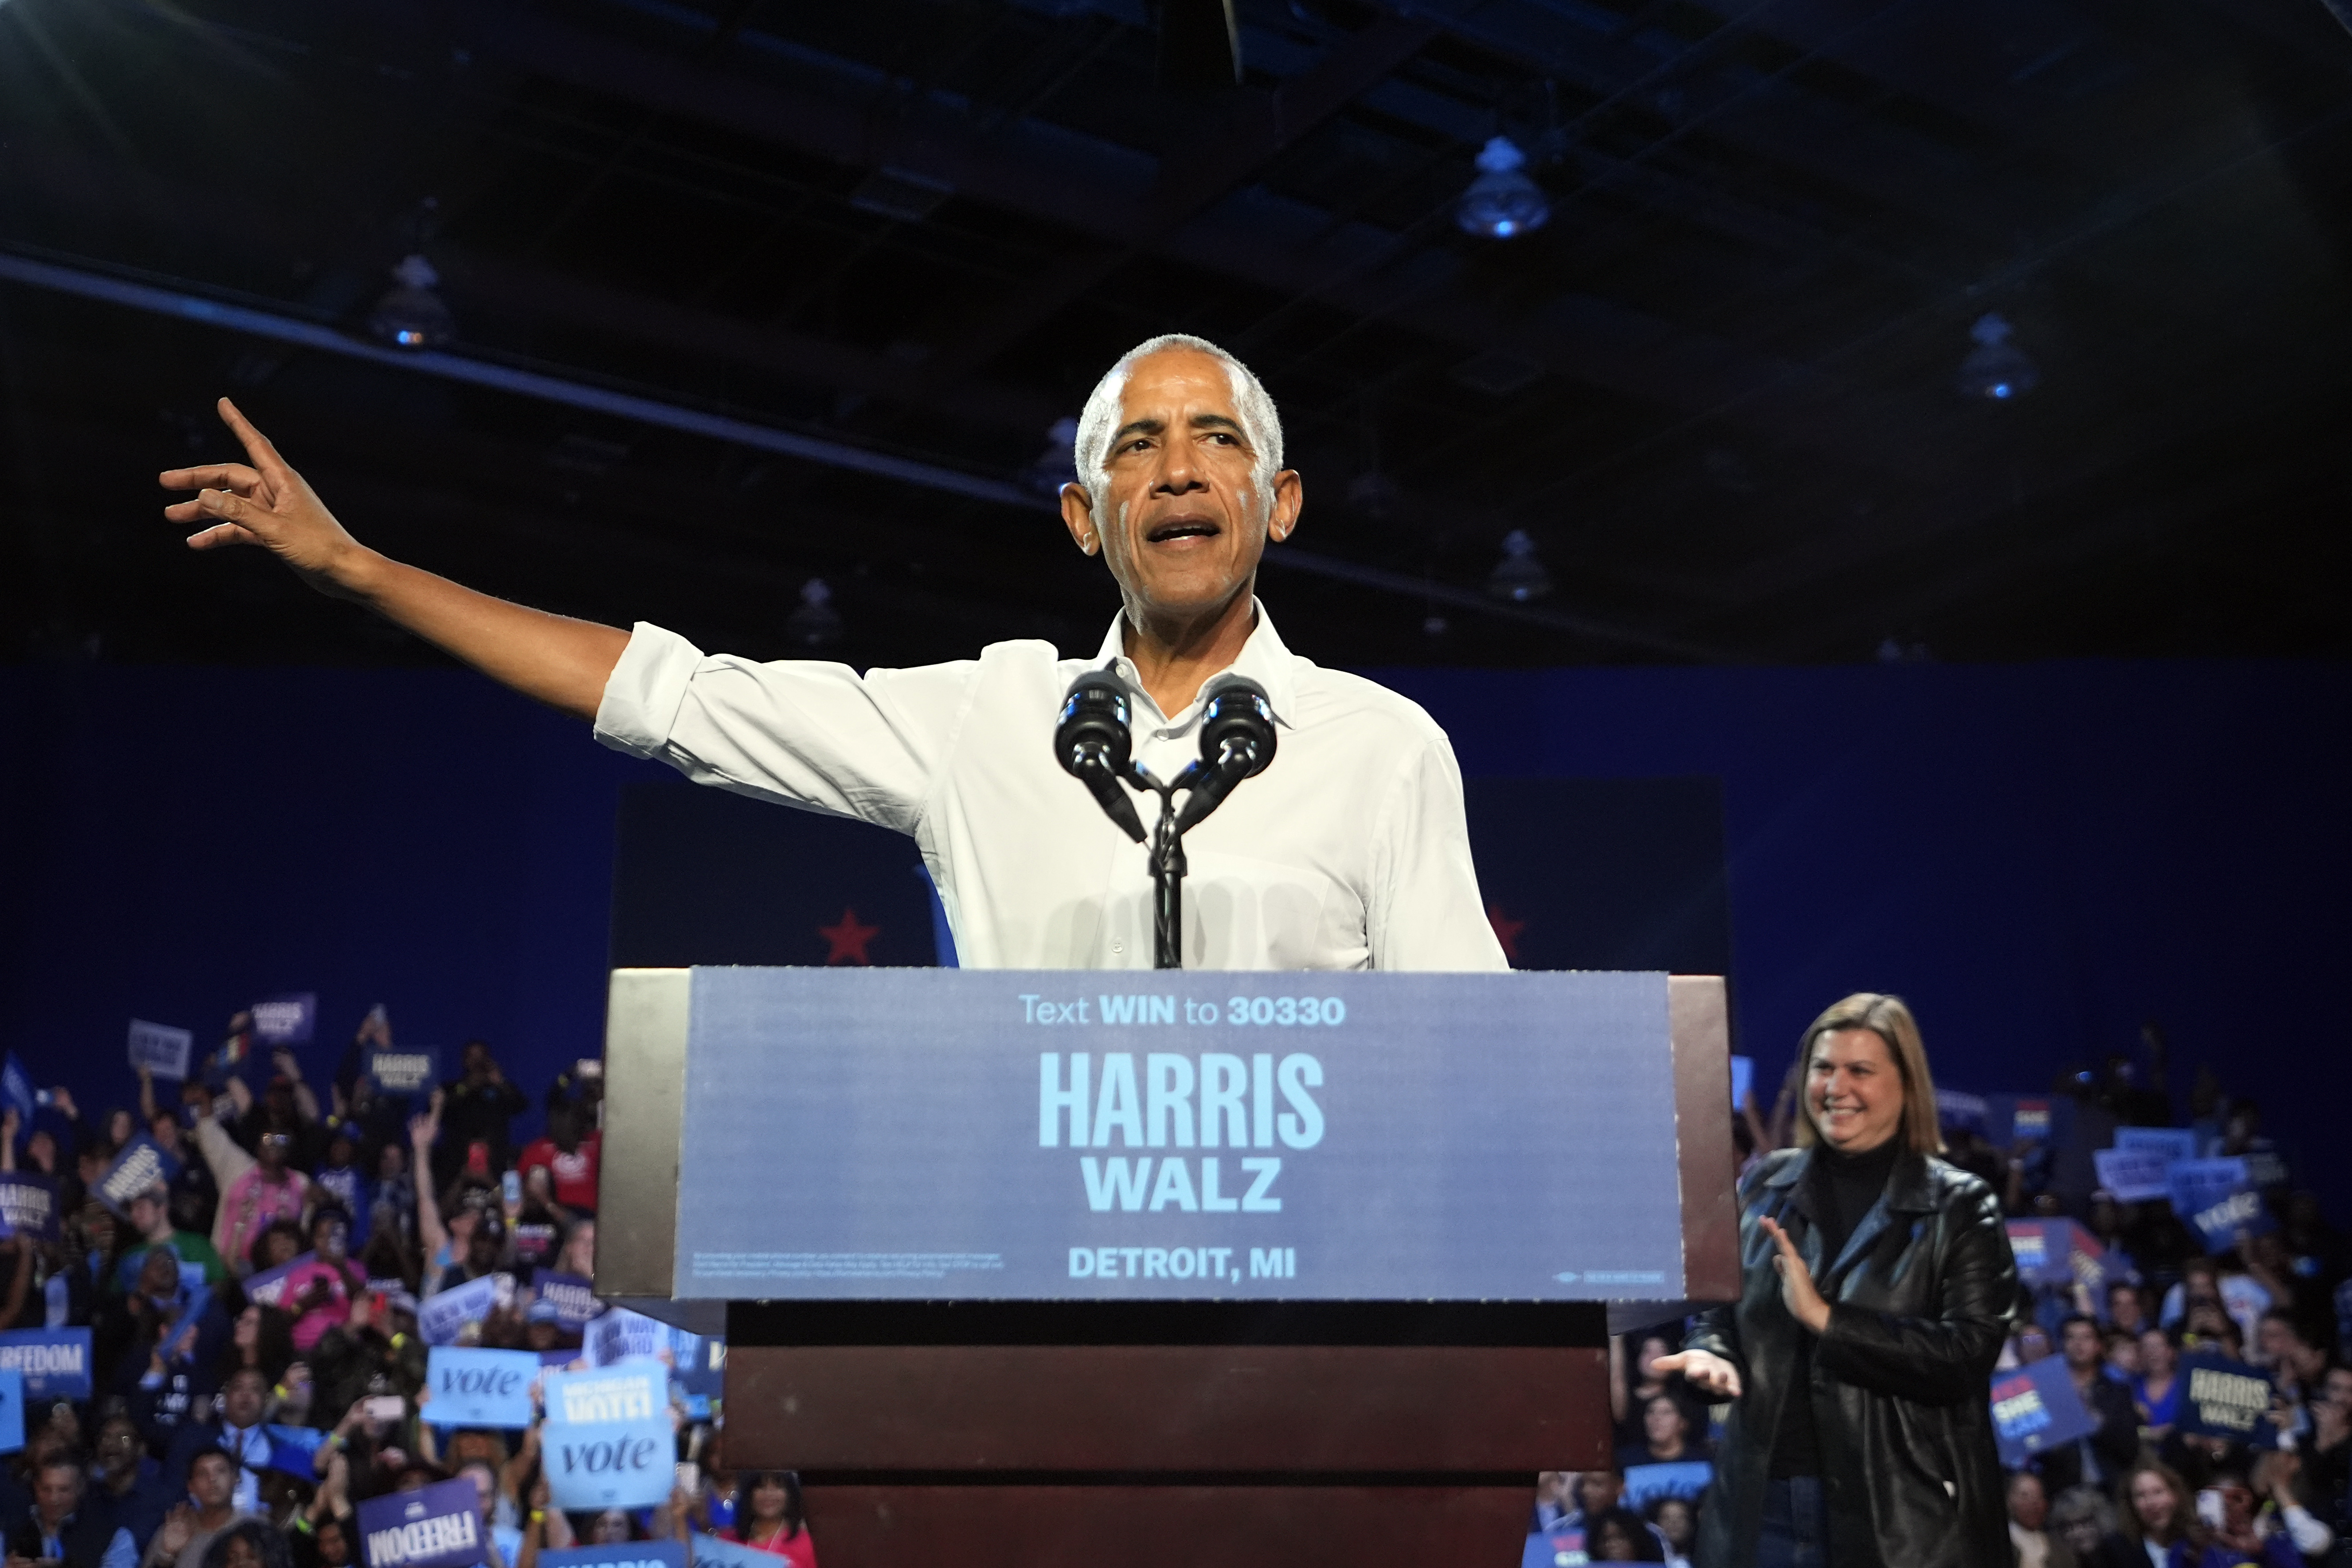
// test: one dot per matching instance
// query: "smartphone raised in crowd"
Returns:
(512, 1183)
(386, 1407)
(589, 1066)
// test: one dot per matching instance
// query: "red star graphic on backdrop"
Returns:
(1506, 930)
(848, 941)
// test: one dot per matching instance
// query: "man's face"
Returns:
(150, 1215)
(58, 1492)
(241, 1400)
(2336, 1392)
(211, 1480)
(2081, 1346)
(1181, 522)
(2027, 1503)
(2122, 1306)
(273, 1150)
(1598, 1490)
(118, 1447)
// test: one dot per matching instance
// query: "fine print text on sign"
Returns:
(608, 1441)
(1032, 1136)
(161, 1049)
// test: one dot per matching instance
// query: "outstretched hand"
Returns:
(265, 503)
(1797, 1292)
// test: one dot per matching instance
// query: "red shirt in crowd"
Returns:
(574, 1174)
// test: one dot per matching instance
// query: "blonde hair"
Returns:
(1891, 1021)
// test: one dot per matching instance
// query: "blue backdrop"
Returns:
(2040, 856)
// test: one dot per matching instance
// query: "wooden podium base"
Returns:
(1045, 1453)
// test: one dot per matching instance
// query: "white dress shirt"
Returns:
(1348, 852)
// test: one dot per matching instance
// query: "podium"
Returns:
(1083, 1267)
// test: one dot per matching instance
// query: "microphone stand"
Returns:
(1167, 868)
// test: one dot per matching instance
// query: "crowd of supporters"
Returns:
(256, 1365)
(2140, 1491)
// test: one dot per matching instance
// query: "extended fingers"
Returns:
(223, 533)
(212, 477)
(256, 445)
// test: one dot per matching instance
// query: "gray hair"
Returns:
(1090, 452)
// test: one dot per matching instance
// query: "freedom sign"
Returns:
(28, 1204)
(2224, 1398)
(12, 1412)
(439, 1526)
(479, 1388)
(54, 1362)
(608, 1441)
(142, 1164)
(2035, 1407)
(161, 1049)
(2133, 1175)
(627, 1554)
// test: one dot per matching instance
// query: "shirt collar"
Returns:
(1263, 659)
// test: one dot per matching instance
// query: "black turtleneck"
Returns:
(1839, 1189)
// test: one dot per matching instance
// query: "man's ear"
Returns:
(1289, 496)
(1078, 517)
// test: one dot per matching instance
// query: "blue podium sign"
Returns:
(1185, 1135)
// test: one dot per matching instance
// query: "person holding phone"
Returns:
(60, 1533)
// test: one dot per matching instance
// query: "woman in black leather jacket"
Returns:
(1879, 1287)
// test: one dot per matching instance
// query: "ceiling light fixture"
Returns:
(1502, 202)
(1996, 369)
(1519, 576)
(411, 314)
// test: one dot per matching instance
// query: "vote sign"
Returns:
(2225, 1398)
(439, 1526)
(161, 1049)
(2035, 1408)
(608, 1441)
(479, 1388)
(2220, 1199)
(627, 1554)
(2172, 1142)
(54, 1362)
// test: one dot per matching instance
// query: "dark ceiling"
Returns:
(1716, 390)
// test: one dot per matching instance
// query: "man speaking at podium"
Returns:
(1349, 852)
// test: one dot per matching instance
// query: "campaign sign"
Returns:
(716, 1551)
(288, 1020)
(627, 1554)
(440, 1319)
(574, 1299)
(1682, 1478)
(2225, 1398)
(12, 1411)
(2218, 1197)
(1956, 1109)
(16, 1091)
(479, 1388)
(291, 1449)
(161, 1049)
(142, 1164)
(439, 1526)
(2035, 1407)
(2014, 1119)
(27, 1205)
(268, 1286)
(1000, 1134)
(608, 1442)
(2133, 1175)
(54, 1362)
(2172, 1143)
(622, 1335)
(409, 1069)
(701, 1369)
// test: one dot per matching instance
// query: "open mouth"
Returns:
(1182, 527)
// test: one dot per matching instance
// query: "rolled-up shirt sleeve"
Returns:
(804, 733)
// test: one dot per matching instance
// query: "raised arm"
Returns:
(430, 1233)
(563, 662)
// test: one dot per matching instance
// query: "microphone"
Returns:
(1236, 743)
(1093, 746)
